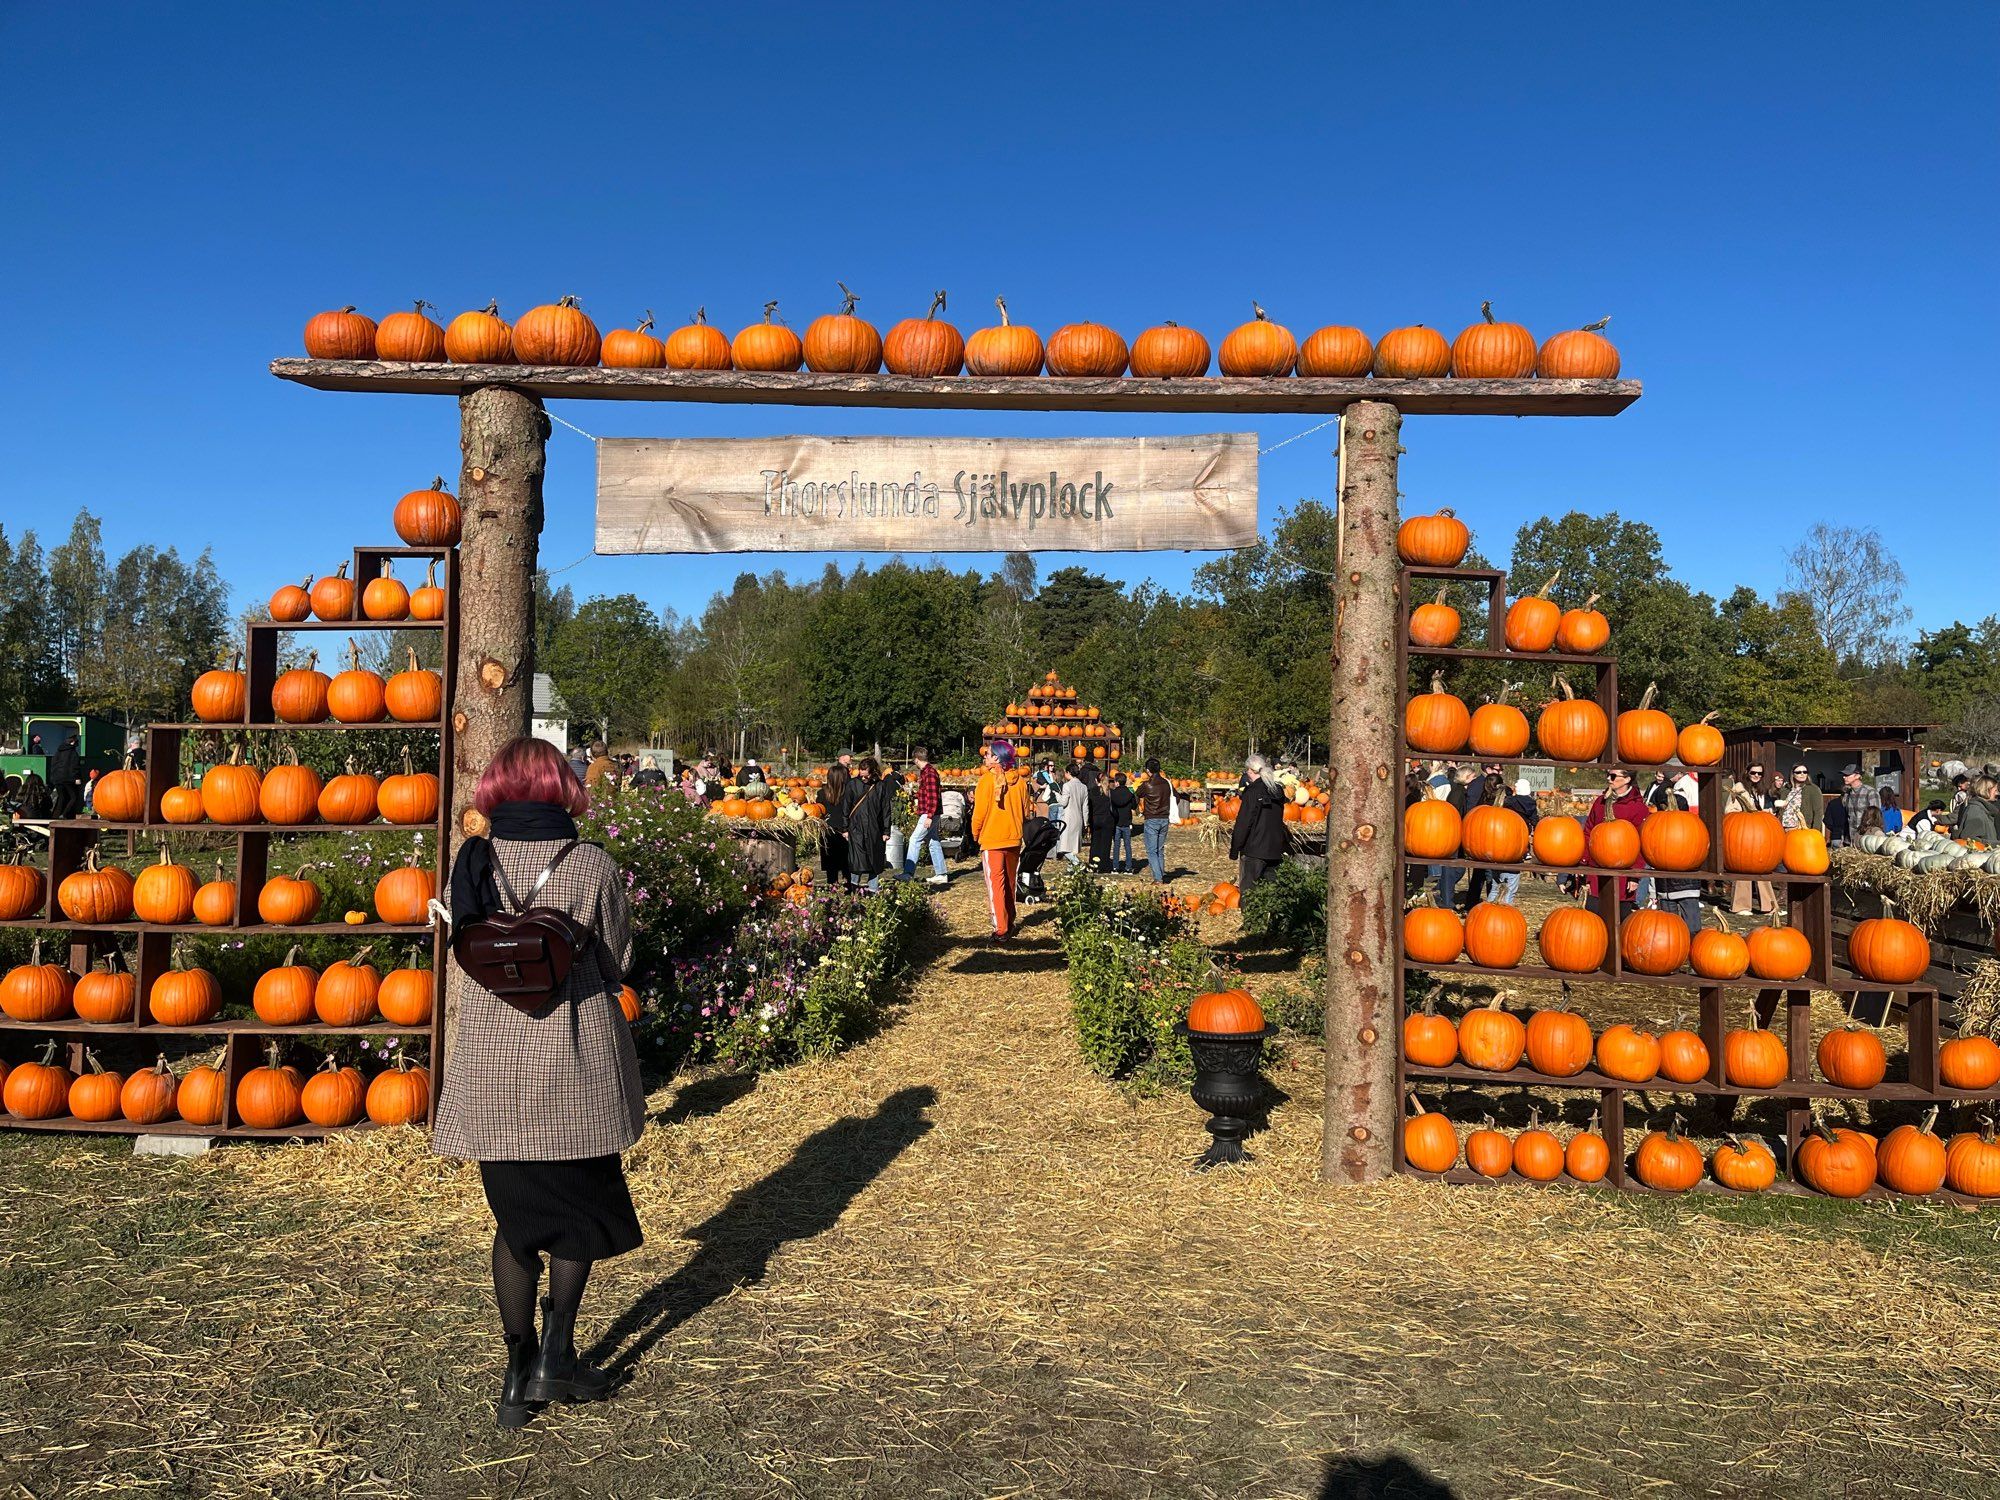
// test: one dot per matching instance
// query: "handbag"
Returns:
(522, 956)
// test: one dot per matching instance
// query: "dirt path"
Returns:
(952, 1262)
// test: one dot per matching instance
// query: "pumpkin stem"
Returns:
(161, 1065)
(430, 574)
(848, 299)
(1598, 327)
(645, 322)
(408, 764)
(1930, 1119)
(91, 1061)
(769, 309)
(1259, 311)
(492, 308)
(1001, 303)
(1674, 1126)
(1437, 682)
(1590, 1128)
(271, 1053)
(349, 308)
(1417, 1104)
(1486, 311)
(701, 317)
(1591, 601)
(341, 571)
(330, 1065)
(1534, 1117)
(1549, 588)
(1561, 683)
(421, 305)
(937, 305)
(1646, 698)
(1443, 590)
(566, 300)
(49, 1053)
(291, 956)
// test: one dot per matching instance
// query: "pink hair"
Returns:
(531, 770)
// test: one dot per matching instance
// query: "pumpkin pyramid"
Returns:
(1049, 718)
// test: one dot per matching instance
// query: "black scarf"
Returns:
(474, 892)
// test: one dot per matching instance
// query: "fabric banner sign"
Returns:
(927, 494)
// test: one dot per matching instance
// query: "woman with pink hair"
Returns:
(545, 1098)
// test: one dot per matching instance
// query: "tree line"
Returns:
(899, 653)
(122, 639)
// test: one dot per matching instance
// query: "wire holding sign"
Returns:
(920, 494)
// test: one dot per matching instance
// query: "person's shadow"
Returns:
(806, 1195)
(1387, 1476)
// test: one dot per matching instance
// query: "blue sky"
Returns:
(1788, 210)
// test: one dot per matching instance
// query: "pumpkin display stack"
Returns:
(198, 1012)
(1779, 1048)
(1049, 719)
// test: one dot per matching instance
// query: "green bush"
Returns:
(1288, 906)
(685, 880)
(857, 979)
(1298, 1004)
(1131, 981)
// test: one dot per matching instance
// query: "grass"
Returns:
(952, 1262)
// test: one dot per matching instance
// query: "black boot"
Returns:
(558, 1374)
(515, 1407)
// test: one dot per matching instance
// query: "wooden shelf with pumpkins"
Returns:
(1048, 719)
(1735, 982)
(135, 1035)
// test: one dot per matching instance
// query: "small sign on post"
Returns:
(927, 494)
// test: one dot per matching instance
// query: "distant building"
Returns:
(551, 720)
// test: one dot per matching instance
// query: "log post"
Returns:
(1364, 768)
(503, 434)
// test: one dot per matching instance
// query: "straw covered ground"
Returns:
(954, 1263)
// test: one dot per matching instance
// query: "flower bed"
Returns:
(1133, 972)
(788, 981)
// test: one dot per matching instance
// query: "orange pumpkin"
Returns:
(356, 696)
(220, 696)
(411, 797)
(1572, 728)
(1683, 1056)
(120, 795)
(340, 334)
(107, 996)
(1496, 935)
(1488, 350)
(35, 991)
(385, 597)
(292, 603)
(1805, 851)
(1495, 835)
(181, 805)
(429, 518)
(332, 1097)
(1340, 353)
(414, 695)
(290, 793)
(1491, 1038)
(1667, 1161)
(926, 347)
(1259, 348)
(1587, 1158)
(1752, 842)
(1581, 354)
(1087, 350)
(1851, 1058)
(1628, 1054)
(1970, 1064)
(411, 337)
(1225, 1013)
(1538, 1155)
(1700, 743)
(1559, 1043)
(427, 601)
(1653, 942)
(95, 894)
(1429, 1039)
(408, 995)
(164, 892)
(347, 990)
(215, 901)
(1533, 619)
(199, 1099)
(333, 596)
(1781, 953)
(400, 1095)
(23, 889)
(1744, 1164)
(1559, 841)
(349, 798)
(232, 792)
(1432, 935)
(1429, 1142)
(1614, 843)
(1838, 1162)
(1671, 839)
(1499, 731)
(148, 1095)
(1488, 1152)
(288, 901)
(1434, 541)
(1718, 953)
(1911, 1159)
(635, 348)
(1436, 723)
(1413, 353)
(1573, 939)
(403, 896)
(299, 695)
(1435, 624)
(185, 997)
(1164, 352)
(479, 337)
(1646, 736)
(284, 996)
(698, 346)
(1583, 631)
(270, 1097)
(1013, 349)
(557, 333)
(1753, 1058)
(1431, 829)
(1888, 950)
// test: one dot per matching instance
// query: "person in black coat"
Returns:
(1122, 799)
(1099, 818)
(1257, 840)
(869, 809)
(833, 844)
(66, 780)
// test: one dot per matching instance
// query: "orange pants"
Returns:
(1003, 868)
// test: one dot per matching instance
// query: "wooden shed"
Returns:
(1890, 755)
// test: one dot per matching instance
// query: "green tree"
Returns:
(1604, 555)
(165, 623)
(79, 589)
(610, 661)
(554, 607)
(1780, 671)
(30, 675)
(1072, 603)
(877, 653)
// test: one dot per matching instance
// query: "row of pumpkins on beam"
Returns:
(305, 695)
(172, 895)
(271, 1097)
(1753, 843)
(351, 992)
(1566, 728)
(1835, 1160)
(843, 343)
(288, 795)
(1559, 1044)
(1576, 940)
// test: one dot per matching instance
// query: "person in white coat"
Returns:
(1073, 805)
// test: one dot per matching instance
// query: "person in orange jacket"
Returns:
(999, 808)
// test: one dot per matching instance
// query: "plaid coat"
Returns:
(563, 1085)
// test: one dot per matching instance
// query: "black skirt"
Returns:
(575, 1210)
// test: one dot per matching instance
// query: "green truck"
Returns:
(101, 744)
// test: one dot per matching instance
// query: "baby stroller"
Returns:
(1038, 837)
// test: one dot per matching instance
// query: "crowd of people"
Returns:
(1844, 814)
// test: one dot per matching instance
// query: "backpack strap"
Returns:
(506, 887)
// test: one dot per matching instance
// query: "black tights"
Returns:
(515, 1282)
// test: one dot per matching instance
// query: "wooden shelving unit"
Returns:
(134, 1043)
(1805, 899)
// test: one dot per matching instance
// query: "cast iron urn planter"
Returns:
(1228, 1084)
